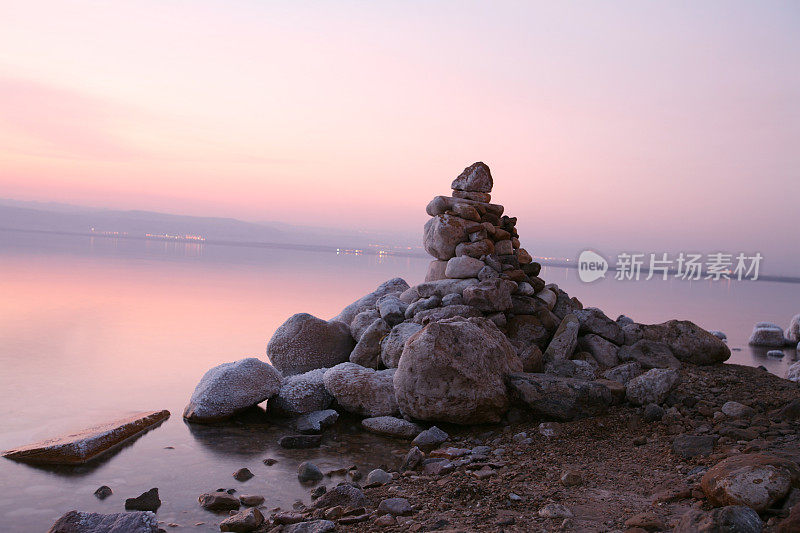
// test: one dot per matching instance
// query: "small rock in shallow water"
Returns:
(243, 474)
(218, 501)
(103, 492)
(308, 471)
(251, 500)
(775, 353)
(313, 423)
(243, 521)
(269, 461)
(147, 501)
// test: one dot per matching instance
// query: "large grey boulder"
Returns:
(728, 519)
(130, 522)
(368, 349)
(649, 354)
(793, 331)
(757, 480)
(305, 342)
(559, 397)
(232, 387)
(454, 370)
(689, 342)
(564, 341)
(362, 391)
(392, 345)
(767, 335)
(443, 233)
(475, 178)
(392, 286)
(301, 394)
(651, 387)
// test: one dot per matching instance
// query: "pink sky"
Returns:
(641, 126)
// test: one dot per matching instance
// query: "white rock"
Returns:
(793, 331)
(362, 391)
(651, 387)
(305, 342)
(548, 297)
(232, 387)
(768, 335)
(301, 394)
(463, 267)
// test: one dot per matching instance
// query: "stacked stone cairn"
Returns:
(481, 335)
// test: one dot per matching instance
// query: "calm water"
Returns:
(91, 329)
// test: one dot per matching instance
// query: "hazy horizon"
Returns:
(658, 127)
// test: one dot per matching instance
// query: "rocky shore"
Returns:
(520, 408)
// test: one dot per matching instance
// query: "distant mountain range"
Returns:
(66, 218)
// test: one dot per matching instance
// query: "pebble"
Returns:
(308, 471)
(147, 501)
(103, 492)
(251, 500)
(378, 477)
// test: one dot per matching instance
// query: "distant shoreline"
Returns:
(328, 248)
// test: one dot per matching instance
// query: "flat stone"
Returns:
(85, 445)
(81, 522)
(391, 427)
(314, 423)
(313, 526)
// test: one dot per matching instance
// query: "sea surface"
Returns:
(93, 328)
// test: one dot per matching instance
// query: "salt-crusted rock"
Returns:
(392, 344)
(130, 522)
(651, 387)
(793, 331)
(443, 287)
(392, 286)
(362, 391)
(435, 271)
(491, 295)
(623, 373)
(301, 394)
(475, 178)
(524, 330)
(463, 267)
(441, 313)
(232, 387)
(362, 321)
(689, 342)
(453, 371)
(392, 426)
(593, 320)
(368, 349)
(756, 480)
(305, 342)
(452, 299)
(430, 438)
(649, 354)
(793, 372)
(558, 397)
(443, 233)
(570, 369)
(422, 304)
(732, 518)
(392, 309)
(564, 341)
(603, 351)
(718, 334)
(313, 423)
(767, 335)
(548, 297)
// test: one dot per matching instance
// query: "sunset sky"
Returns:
(649, 126)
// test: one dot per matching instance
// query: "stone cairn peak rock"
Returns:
(482, 333)
(470, 238)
